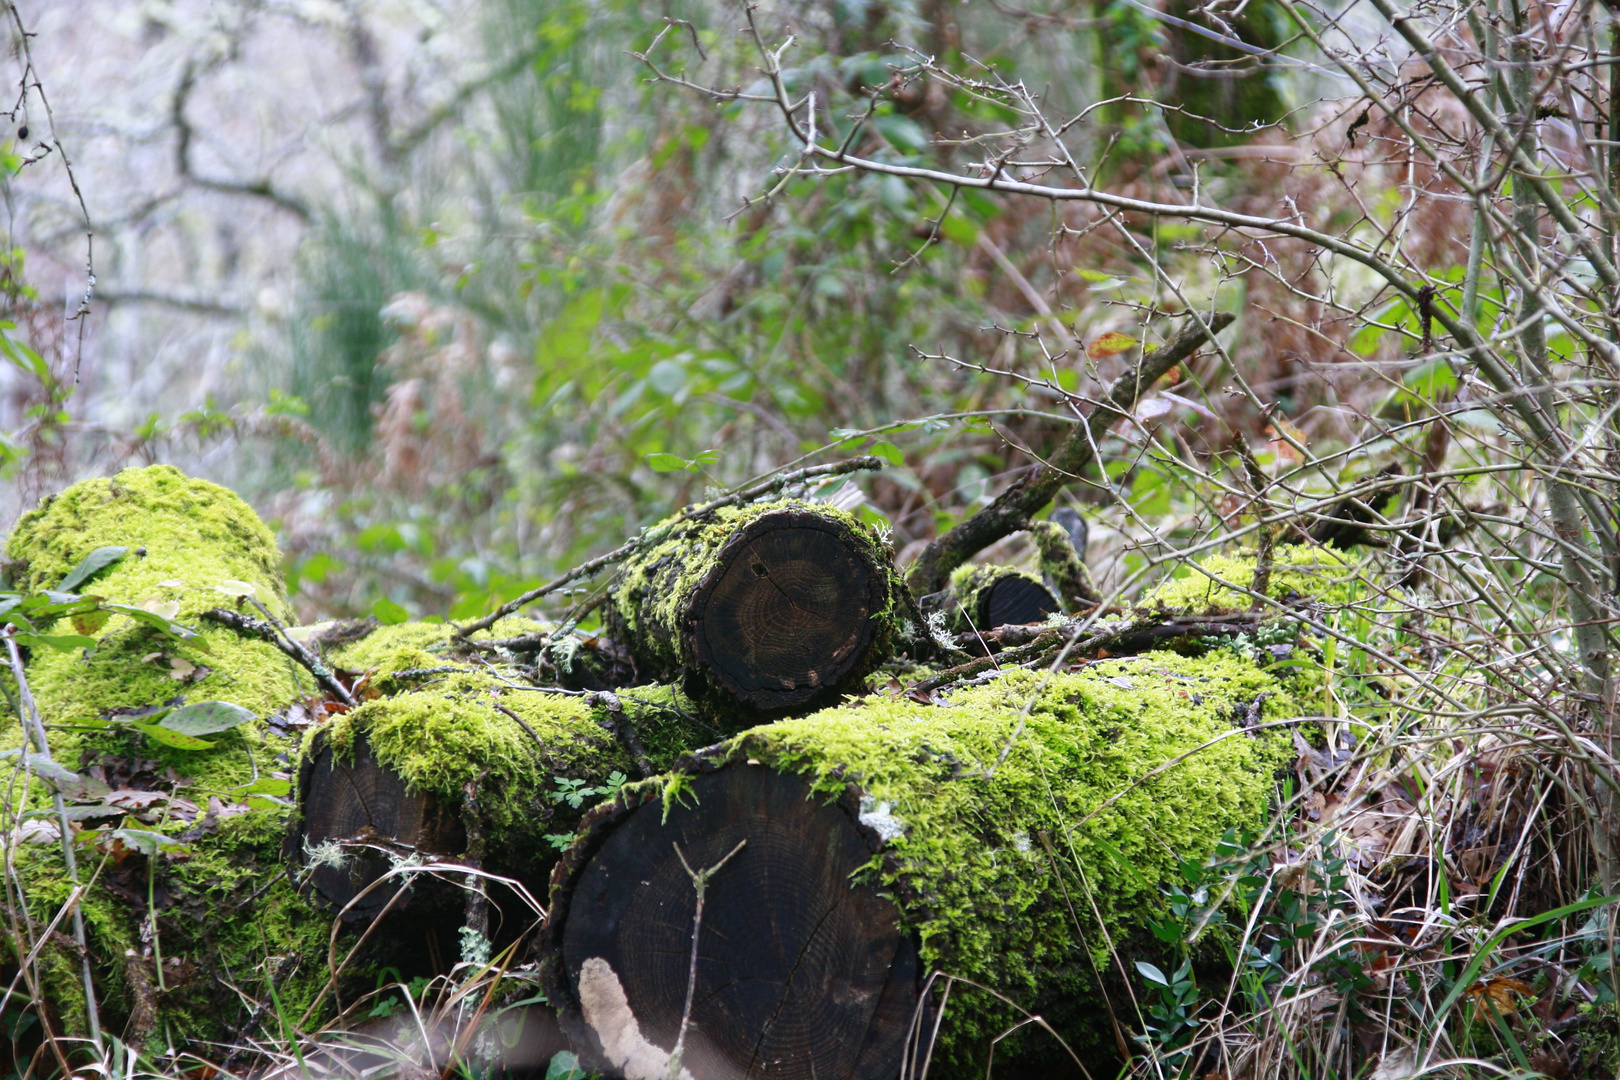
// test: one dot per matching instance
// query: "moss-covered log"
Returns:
(1024, 851)
(457, 763)
(777, 605)
(984, 596)
(192, 890)
(216, 879)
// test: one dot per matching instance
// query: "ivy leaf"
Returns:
(206, 718)
(1110, 344)
(91, 622)
(389, 613)
(177, 740)
(97, 562)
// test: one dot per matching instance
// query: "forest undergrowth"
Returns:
(907, 237)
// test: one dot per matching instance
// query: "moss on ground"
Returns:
(968, 837)
(1298, 571)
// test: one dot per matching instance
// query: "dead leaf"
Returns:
(1152, 408)
(131, 799)
(166, 609)
(1498, 992)
(1110, 344)
(180, 668)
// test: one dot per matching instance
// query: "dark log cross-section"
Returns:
(783, 609)
(785, 614)
(1017, 600)
(351, 797)
(801, 975)
(993, 596)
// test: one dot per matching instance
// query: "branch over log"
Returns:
(1013, 508)
(635, 544)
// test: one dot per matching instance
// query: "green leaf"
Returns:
(164, 737)
(59, 642)
(1151, 973)
(40, 765)
(667, 377)
(888, 452)
(389, 613)
(206, 718)
(159, 622)
(666, 462)
(97, 562)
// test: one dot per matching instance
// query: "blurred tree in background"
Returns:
(500, 302)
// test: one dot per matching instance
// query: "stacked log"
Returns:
(1015, 833)
(448, 761)
(774, 606)
(874, 842)
(984, 596)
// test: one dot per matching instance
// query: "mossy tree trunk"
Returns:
(775, 606)
(886, 839)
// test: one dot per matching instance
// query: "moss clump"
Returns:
(967, 854)
(187, 537)
(1298, 571)
(655, 589)
(419, 644)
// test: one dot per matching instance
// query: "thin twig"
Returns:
(268, 629)
(700, 882)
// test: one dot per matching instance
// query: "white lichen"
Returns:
(879, 817)
(475, 947)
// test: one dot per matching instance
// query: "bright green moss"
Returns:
(969, 836)
(1297, 570)
(194, 535)
(420, 645)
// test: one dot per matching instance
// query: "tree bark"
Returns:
(774, 607)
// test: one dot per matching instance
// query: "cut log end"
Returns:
(799, 972)
(349, 798)
(787, 612)
(1015, 600)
